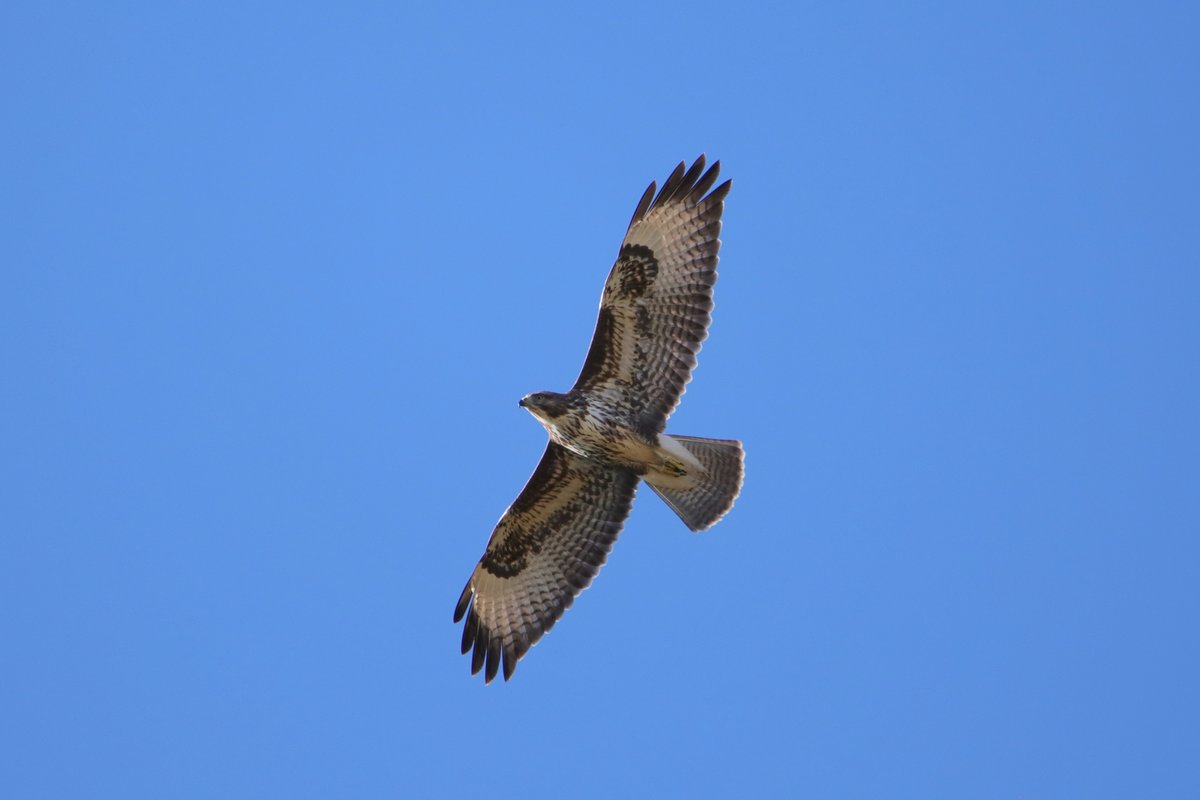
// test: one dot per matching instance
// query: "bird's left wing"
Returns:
(545, 550)
(655, 310)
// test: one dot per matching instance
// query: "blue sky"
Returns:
(275, 275)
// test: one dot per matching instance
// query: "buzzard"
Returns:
(606, 433)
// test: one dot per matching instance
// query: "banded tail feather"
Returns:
(713, 490)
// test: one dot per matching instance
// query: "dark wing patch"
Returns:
(633, 274)
(603, 343)
(657, 301)
(545, 550)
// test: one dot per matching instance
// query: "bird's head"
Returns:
(545, 405)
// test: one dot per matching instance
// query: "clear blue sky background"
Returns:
(274, 276)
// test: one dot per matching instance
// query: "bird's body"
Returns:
(599, 431)
(607, 432)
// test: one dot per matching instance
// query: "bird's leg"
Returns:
(673, 466)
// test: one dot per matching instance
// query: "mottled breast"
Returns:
(592, 432)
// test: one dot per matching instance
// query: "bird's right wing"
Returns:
(545, 550)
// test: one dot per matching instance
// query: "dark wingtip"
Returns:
(689, 184)
(644, 204)
(481, 643)
(469, 631)
(719, 193)
(671, 185)
(510, 663)
(464, 600)
(705, 183)
(689, 179)
(493, 661)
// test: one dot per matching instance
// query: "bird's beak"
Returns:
(522, 402)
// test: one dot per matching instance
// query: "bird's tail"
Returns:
(710, 491)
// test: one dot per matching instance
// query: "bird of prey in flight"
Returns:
(606, 433)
